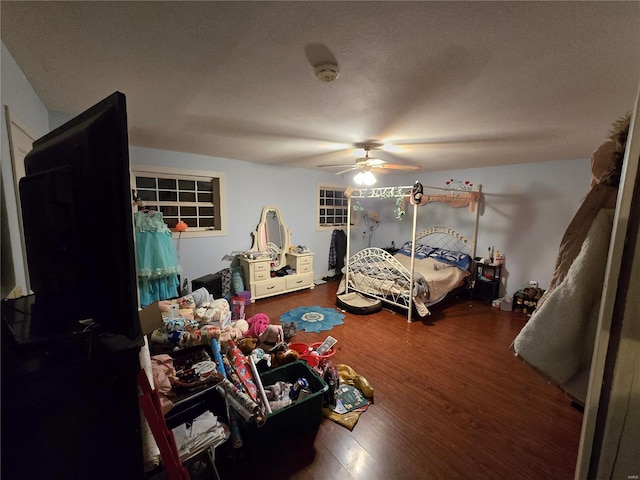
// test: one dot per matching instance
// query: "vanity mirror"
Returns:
(275, 270)
(272, 236)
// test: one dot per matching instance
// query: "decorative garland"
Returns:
(401, 193)
(458, 185)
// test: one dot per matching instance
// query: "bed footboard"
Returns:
(375, 273)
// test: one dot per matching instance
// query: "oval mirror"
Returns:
(272, 236)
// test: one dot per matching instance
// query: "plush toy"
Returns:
(271, 336)
(261, 359)
(287, 356)
(257, 325)
(281, 354)
(349, 376)
(241, 324)
(247, 344)
(230, 333)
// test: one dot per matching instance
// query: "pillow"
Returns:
(236, 279)
(456, 259)
(422, 251)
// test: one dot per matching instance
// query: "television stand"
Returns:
(30, 322)
(69, 401)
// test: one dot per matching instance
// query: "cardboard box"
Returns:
(150, 318)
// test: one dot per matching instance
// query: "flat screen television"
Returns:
(78, 224)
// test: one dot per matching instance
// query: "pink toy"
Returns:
(272, 335)
(257, 325)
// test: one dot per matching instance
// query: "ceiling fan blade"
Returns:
(332, 157)
(336, 165)
(374, 162)
(395, 166)
(353, 167)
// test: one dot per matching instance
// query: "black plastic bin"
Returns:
(295, 421)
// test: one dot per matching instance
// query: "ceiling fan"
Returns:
(371, 164)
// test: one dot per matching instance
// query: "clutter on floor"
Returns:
(266, 381)
(349, 395)
(203, 430)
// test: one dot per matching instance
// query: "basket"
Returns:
(301, 348)
(328, 354)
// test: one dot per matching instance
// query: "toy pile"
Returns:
(239, 350)
(201, 344)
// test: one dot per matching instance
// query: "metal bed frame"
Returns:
(386, 268)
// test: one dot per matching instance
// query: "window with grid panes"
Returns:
(182, 195)
(332, 207)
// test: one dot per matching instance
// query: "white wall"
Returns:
(526, 210)
(29, 112)
(249, 186)
(527, 206)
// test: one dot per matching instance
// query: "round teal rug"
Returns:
(313, 319)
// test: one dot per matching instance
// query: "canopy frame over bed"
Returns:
(455, 197)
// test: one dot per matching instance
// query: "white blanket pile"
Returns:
(558, 339)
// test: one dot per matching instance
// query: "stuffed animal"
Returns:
(288, 356)
(261, 359)
(247, 345)
(257, 325)
(271, 336)
(230, 333)
(281, 354)
(217, 311)
(349, 376)
(241, 324)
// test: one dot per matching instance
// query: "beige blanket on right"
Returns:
(559, 337)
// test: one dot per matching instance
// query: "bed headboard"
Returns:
(446, 238)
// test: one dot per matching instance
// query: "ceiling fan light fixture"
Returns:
(365, 178)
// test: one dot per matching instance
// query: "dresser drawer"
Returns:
(299, 281)
(262, 275)
(259, 267)
(270, 287)
(306, 260)
(304, 268)
(302, 262)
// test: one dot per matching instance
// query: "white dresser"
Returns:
(257, 275)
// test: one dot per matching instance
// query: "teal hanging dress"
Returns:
(157, 263)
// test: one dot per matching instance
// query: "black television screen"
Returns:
(78, 228)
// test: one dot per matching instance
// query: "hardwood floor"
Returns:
(451, 401)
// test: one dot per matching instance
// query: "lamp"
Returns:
(364, 178)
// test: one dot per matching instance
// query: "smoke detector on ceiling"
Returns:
(327, 72)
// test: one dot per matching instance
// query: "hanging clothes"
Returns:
(157, 263)
(337, 250)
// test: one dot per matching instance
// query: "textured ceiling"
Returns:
(446, 84)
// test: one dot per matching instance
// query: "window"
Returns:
(332, 207)
(194, 197)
